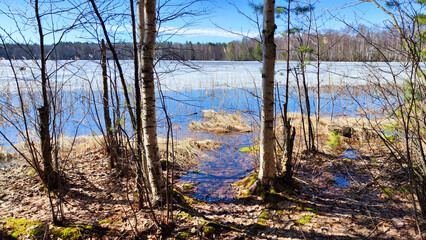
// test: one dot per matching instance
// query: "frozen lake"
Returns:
(198, 75)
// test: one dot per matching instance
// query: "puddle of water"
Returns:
(221, 168)
(6, 164)
(341, 182)
(350, 154)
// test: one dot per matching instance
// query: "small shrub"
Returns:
(335, 140)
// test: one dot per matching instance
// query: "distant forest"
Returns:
(353, 46)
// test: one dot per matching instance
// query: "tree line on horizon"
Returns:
(130, 99)
(359, 45)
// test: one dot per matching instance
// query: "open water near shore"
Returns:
(185, 92)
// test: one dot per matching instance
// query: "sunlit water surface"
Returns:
(185, 91)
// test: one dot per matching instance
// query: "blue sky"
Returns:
(225, 13)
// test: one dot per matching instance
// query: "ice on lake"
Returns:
(197, 75)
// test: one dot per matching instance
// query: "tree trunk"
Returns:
(50, 176)
(105, 102)
(311, 137)
(267, 138)
(287, 161)
(141, 164)
(289, 132)
(149, 119)
(44, 111)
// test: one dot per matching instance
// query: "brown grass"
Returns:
(186, 151)
(219, 122)
(363, 128)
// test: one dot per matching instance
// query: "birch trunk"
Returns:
(267, 139)
(149, 119)
(141, 164)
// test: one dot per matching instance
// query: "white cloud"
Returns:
(213, 32)
(189, 32)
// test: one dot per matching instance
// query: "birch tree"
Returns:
(267, 140)
(146, 38)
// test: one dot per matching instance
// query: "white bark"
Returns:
(267, 139)
(149, 119)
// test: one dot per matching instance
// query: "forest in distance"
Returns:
(295, 132)
(336, 46)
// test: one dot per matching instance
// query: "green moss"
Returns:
(188, 186)
(32, 172)
(247, 182)
(331, 181)
(250, 149)
(184, 215)
(183, 200)
(73, 232)
(24, 227)
(280, 212)
(260, 225)
(42, 188)
(208, 229)
(253, 179)
(183, 236)
(196, 171)
(273, 197)
(304, 220)
(264, 215)
(109, 221)
(15, 234)
(312, 210)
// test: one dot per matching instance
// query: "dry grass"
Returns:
(363, 128)
(186, 151)
(219, 122)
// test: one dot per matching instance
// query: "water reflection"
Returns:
(220, 168)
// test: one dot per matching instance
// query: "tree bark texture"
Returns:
(141, 163)
(149, 119)
(267, 139)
